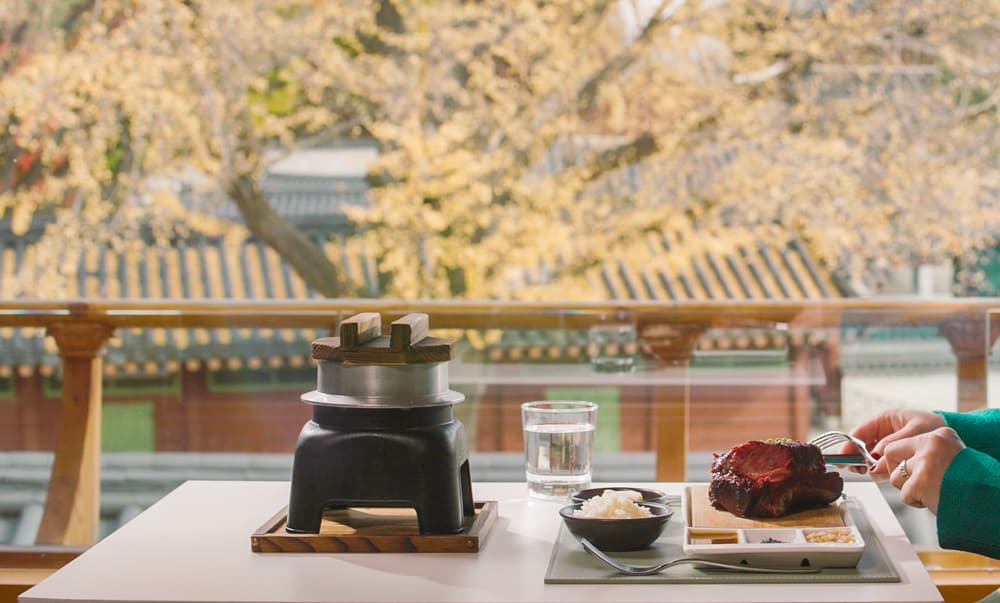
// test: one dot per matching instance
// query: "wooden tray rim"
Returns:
(265, 539)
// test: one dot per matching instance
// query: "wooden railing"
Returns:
(81, 328)
(670, 331)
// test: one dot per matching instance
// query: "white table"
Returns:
(194, 546)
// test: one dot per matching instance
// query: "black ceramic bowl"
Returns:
(627, 534)
(649, 496)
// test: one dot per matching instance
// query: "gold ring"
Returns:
(903, 471)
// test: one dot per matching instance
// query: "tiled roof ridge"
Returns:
(728, 263)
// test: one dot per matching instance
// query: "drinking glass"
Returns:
(558, 446)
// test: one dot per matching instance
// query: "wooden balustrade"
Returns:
(80, 329)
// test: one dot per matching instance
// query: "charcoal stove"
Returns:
(383, 431)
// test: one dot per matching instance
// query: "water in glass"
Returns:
(559, 447)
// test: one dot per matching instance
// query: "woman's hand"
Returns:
(916, 465)
(889, 426)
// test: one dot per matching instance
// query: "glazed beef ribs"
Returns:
(772, 479)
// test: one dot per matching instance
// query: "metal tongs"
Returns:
(863, 459)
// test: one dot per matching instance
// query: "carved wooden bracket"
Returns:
(673, 342)
(969, 337)
(80, 340)
(970, 340)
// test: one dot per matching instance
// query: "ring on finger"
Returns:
(902, 470)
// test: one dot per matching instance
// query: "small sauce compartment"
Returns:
(832, 536)
(714, 536)
(773, 536)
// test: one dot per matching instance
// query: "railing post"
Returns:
(672, 344)
(798, 391)
(970, 340)
(831, 393)
(72, 506)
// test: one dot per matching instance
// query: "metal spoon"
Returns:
(653, 569)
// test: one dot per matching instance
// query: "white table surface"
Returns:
(194, 546)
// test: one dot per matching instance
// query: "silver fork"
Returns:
(653, 569)
(839, 437)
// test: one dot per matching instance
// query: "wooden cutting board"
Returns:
(703, 515)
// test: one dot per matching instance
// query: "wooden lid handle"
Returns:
(408, 330)
(360, 329)
(361, 342)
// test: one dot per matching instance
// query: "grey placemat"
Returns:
(570, 564)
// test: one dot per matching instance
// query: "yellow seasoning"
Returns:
(713, 537)
(837, 535)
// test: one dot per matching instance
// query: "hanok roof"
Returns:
(208, 269)
(672, 269)
(697, 265)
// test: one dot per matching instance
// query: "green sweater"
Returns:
(968, 515)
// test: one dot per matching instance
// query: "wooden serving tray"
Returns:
(704, 515)
(373, 530)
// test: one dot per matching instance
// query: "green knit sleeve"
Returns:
(979, 429)
(967, 517)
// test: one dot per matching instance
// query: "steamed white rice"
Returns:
(613, 504)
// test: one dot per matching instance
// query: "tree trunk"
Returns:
(308, 260)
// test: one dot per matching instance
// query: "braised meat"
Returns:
(772, 479)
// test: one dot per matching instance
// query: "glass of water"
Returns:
(558, 446)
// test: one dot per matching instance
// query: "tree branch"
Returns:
(760, 75)
(291, 244)
(617, 65)
(305, 256)
(981, 107)
(636, 150)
